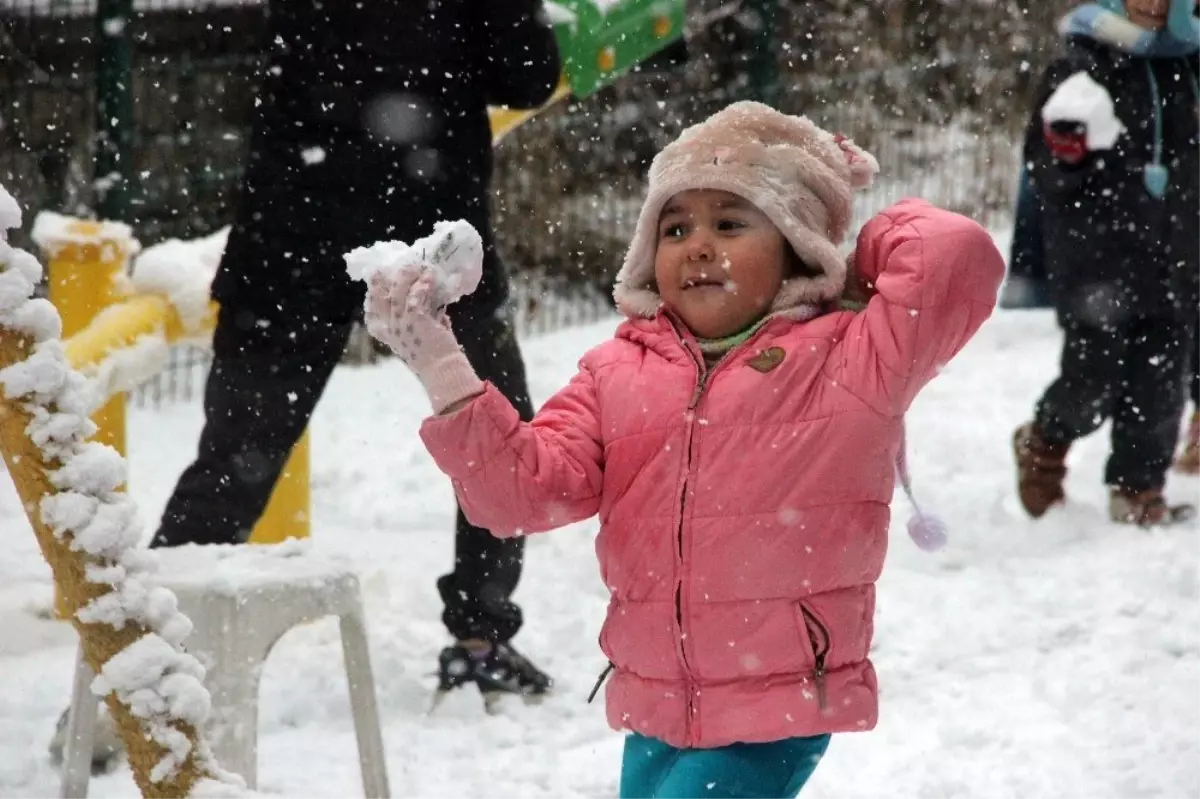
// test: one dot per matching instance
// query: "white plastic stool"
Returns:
(241, 600)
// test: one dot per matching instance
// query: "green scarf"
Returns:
(714, 349)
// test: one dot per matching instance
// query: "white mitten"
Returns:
(400, 312)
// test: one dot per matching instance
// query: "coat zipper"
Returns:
(705, 377)
(701, 384)
(687, 465)
(820, 650)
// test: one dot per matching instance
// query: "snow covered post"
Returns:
(86, 263)
(131, 632)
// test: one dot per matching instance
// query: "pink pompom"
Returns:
(929, 533)
(863, 166)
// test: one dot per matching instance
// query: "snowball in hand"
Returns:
(1081, 99)
(453, 253)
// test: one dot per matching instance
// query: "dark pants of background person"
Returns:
(264, 383)
(1132, 373)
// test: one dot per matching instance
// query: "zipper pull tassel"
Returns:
(600, 681)
(819, 679)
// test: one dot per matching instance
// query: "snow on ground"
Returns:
(1058, 659)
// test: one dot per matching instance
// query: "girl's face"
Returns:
(719, 263)
(1148, 14)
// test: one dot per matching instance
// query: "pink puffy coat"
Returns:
(744, 510)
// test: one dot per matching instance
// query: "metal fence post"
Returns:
(114, 109)
(763, 61)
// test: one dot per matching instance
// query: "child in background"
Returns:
(737, 438)
(1112, 149)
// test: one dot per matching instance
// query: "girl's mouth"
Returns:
(702, 282)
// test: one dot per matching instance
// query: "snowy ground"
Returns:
(1060, 659)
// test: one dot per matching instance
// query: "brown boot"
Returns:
(1041, 469)
(1188, 461)
(1143, 508)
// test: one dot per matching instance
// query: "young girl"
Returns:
(737, 438)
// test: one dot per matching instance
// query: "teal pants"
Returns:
(651, 769)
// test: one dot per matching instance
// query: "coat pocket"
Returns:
(815, 634)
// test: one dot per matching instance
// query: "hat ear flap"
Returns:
(863, 166)
(1182, 22)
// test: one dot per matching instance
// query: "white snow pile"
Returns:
(126, 368)
(160, 682)
(453, 252)
(52, 231)
(10, 211)
(183, 271)
(1081, 99)
(233, 570)
(223, 788)
(556, 14)
(604, 6)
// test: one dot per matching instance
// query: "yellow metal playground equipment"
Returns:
(104, 315)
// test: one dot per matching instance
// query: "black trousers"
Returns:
(264, 383)
(1194, 366)
(1132, 373)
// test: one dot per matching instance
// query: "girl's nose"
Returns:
(700, 247)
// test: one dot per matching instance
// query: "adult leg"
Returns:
(264, 383)
(1193, 362)
(477, 595)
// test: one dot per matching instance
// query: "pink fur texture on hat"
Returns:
(799, 175)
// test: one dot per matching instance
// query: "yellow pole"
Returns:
(287, 514)
(83, 274)
(83, 270)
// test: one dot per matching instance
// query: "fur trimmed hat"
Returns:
(800, 176)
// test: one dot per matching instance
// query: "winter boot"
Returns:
(107, 746)
(1145, 508)
(495, 669)
(1188, 461)
(1041, 469)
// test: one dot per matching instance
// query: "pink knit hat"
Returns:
(799, 175)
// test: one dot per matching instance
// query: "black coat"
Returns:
(1112, 249)
(372, 125)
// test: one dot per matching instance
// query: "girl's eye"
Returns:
(727, 225)
(673, 231)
